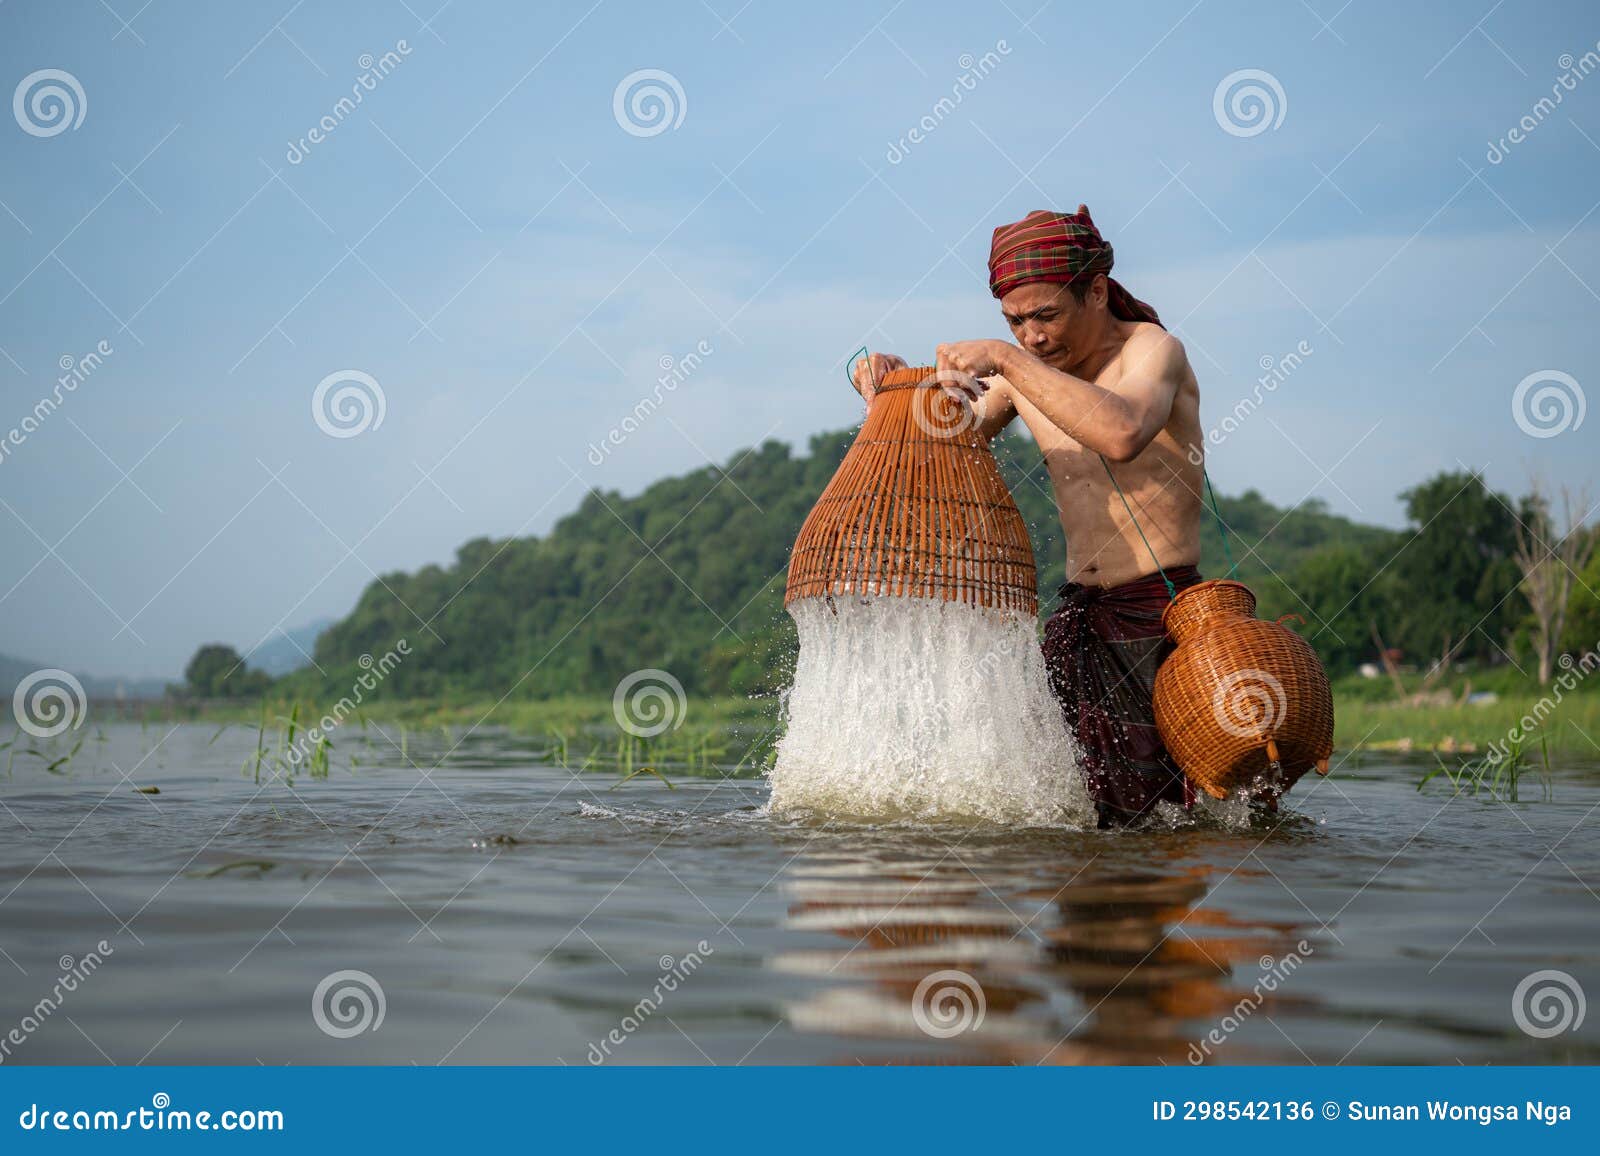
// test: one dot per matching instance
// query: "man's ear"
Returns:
(1099, 291)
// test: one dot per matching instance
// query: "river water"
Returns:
(499, 909)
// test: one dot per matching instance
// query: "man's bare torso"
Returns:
(1163, 486)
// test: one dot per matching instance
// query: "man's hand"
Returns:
(960, 364)
(974, 358)
(870, 369)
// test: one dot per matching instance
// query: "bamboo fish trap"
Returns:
(917, 509)
(1239, 696)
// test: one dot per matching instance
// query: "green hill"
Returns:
(688, 576)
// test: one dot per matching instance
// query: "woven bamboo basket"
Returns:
(1240, 694)
(917, 509)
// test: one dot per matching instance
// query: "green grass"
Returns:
(1368, 713)
(1498, 773)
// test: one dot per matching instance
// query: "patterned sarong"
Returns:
(1102, 649)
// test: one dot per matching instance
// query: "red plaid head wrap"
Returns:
(1059, 248)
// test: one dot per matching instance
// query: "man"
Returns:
(1112, 402)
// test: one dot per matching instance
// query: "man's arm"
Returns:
(995, 409)
(1116, 424)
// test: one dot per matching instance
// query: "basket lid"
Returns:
(1203, 599)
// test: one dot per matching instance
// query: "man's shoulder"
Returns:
(1147, 334)
(1154, 348)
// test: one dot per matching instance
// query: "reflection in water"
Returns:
(520, 912)
(974, 958)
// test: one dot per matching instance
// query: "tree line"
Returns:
(688, 576)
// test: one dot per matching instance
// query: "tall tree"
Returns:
(1550, 560)
(1340, 590)
(1583, 610)
(1456, 571)
(217, 671)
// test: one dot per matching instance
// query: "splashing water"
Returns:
(912, 708)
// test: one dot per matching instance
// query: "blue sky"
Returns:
(483, 238)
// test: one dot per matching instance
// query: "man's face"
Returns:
(1052, 324)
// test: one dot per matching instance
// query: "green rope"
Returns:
(1172, 591)
(850, 366)
(1222, 527)
(1216, 512)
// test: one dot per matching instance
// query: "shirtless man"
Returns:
(1107, 393)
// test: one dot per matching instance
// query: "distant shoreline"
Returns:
(1368, 717)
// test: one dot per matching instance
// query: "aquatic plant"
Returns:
(631, 775)
(53, 763)
(1500, 776)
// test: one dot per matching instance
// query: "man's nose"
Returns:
(1033, 335)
